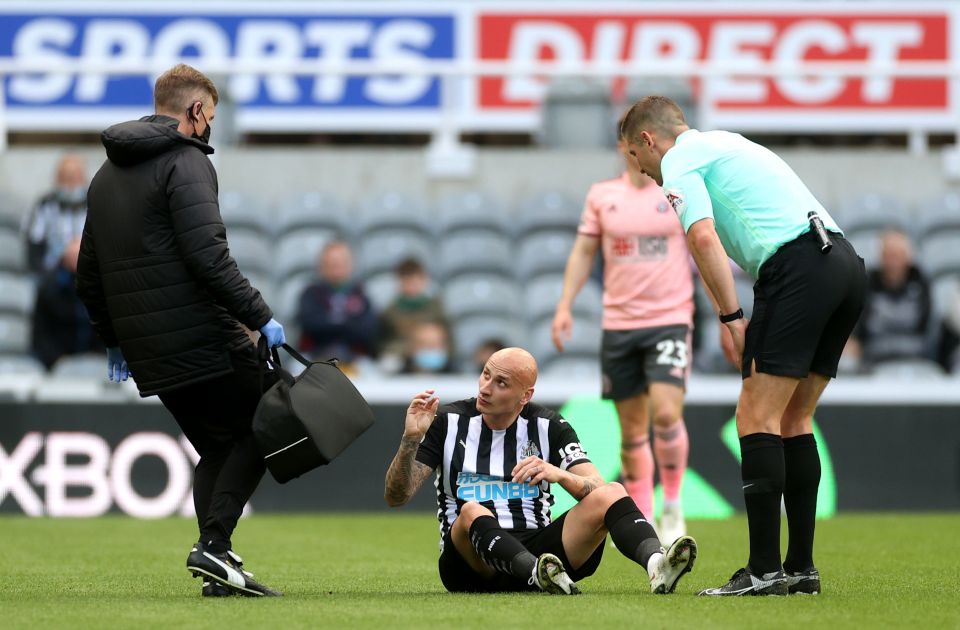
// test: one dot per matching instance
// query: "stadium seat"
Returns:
(21, 365)
(14, 334)
(12, 251)
(311, 210)
(542, 293)
(680, 89)
(239, 210)
(544, 252)
(548, 211)
(481, 293)
(872, 211)
(297, 250)
(13, 209)
(392, 212)
(945, 292)
(381, 289)
(288, 295)
(584, 342)
(80, 366)
(383, 250)
(572, 366)
(251, 251)
(939, 215)
(471, 330)
(263, 283)
(468, 251)
(940, 254)
(473, 211)
(17, 294)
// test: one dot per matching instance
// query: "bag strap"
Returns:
(293, 353)
(265, 354)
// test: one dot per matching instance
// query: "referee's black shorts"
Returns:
(458, 577)
(805, 306)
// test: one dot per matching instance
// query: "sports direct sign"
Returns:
(577, 36)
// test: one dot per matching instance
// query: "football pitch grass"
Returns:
(379, 571)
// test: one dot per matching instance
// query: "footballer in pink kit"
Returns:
(647, 319)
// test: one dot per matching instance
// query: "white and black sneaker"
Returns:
(225, 569)
(673, 565)
(550, 576)
(804, 582)
(744, 582)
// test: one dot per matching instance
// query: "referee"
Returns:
(168, 301)
(738, 199)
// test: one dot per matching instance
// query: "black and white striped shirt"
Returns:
(474, 463)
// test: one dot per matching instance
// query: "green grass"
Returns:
(379, 571)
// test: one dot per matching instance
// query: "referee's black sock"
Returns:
(499, 550)
(800, 497)
(631, 533)
(762, 471)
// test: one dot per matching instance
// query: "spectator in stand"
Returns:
(336, 317)
(429, 350)
(948, 341)
(58, 216)
(413, 305)
(61, 325)
(896, 317)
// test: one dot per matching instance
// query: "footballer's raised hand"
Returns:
(533, 470)
(420, 414)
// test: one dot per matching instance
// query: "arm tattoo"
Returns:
(589, 485)
(406, 474)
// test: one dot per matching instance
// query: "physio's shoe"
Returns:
(744, 582)
(227, 570)
(804, 582)
(673, 565)
(550, 576)
(672, 523)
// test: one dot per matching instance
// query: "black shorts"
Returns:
(458, 577)
(805, 306)
(632, 359)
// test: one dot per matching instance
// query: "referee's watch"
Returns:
(732, 317)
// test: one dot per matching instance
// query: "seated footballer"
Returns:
(495, 458)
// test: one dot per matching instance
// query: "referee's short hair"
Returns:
(652, 113)
(181, 86)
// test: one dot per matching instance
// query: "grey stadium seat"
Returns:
(945, 292)
(13, 209)
(872, 211)
(392, 211)
(585, 340)
(263, 283)
(381, 289)
(940, 254)
(481, 293)
(18, 294)
(288, 296)
(939, 215)
(908, 369)
(297, 250)
(311, 210)
(475, 251)
(383, 250)
(744, 287)
(239, 210)
(473, 211)
(548, 211)
(542, 293)
(12, 251)
(14, 334)
(545, 252)
(472, 330)
(252, 251)
(572, 366)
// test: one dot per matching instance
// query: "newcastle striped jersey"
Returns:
(474, 463)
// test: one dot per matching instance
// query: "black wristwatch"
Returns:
(732, 317)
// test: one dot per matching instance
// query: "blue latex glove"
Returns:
(273, 331)
(117, 369)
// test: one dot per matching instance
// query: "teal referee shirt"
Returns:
(756, 201)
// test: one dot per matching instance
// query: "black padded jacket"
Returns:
(155, 272)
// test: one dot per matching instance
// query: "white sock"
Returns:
(652, 562)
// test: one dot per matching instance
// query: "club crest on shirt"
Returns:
(675, 197)
(528, 450)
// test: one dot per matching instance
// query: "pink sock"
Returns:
(637, 462)
(672, 447)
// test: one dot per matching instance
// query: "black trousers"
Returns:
(216, 417)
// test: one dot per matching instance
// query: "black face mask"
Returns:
(205, 136)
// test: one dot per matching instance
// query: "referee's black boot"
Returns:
(803, 582)
(227, 570)
(745, 582)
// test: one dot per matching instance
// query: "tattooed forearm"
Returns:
(405, 475)
(588, 486)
